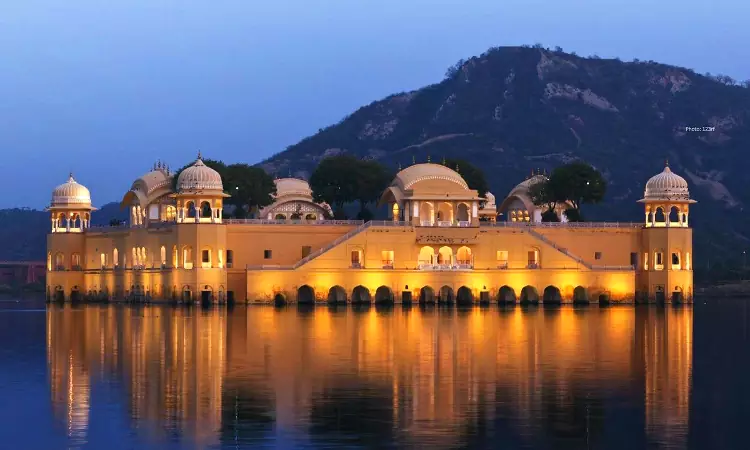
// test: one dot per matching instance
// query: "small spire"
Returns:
(290, 173)
(428, 158)
(457, 170)
(199, 155)
(70, 177)
(399, 166)
(443, 159)
(413, 159)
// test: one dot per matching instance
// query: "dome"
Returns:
(199, 177)
(71, 194)
(292, 186)
(527, 183)
(490, 199)
(406, 178)
(152, 181)
(666, 186)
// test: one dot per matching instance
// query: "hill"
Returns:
(516, 109)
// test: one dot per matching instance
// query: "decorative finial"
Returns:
(428, 158)
(399, 166)
(70, 176)
(457, 170)
(199, 155)
(666, 162)
(443, 159)
(413, 159)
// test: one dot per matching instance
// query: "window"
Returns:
(230, 259)
(163, 256)
(687, 261)
(306, 250)
(645, 261)
(205, 256)
(597, 255)
(634, 260)
(76, 261)
(103, 258)
(658, 261)
(502, 259)
(675, 260)
(533, 259)
(356, 258)
(386, 257)
(267, 254)
(115, 258)
(187, 257)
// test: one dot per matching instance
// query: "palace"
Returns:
(443, 243)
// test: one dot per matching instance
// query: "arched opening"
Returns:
(279, 299)
(446, 295)
(336, 294)
(676, 261)
(356, 256)
(529, 295)
(49, 261)
(445, 213)
(674, 216)
(659, 217)
(170, 214)
(60, 221)
(187, 294)
(163, 255)
(360, 294)
(206, 258)
(296, 216)
(463, 256)
(506, 295)
(464, 296)
(383, 294)
(115, 258)
(426, 214)
(395, 212)
(445, 256)
(305, 294)
(552, 295)
(144, 257)
(103, 260)
(76, 222)
(59, 294)
(187, 257)
(205, 210)
(59, 261)
(280, 217)
(580, 295)
(311, 217)
(426, 256)
(75, 261)
(462, 212)
(427, 295)
(175, 257)
(191, 212)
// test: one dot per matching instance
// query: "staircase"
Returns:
(564, 251)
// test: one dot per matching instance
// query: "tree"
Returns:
(335, 181)
(577, 183)
(250, 187)
(541, 195)
(473, 175)
(372, 179)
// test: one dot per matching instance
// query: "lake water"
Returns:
(120, 377)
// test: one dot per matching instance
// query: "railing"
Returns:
(441, 267)
(444, 223)
(426, 223)
(291, 222)
(564, 251)
(464, 223)
(504, 224)
(630, 267)
(356, 265)
(387, 265)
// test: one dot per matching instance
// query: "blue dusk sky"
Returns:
(105, 88)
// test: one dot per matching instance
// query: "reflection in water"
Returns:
(447, 377)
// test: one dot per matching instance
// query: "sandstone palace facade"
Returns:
(442, 243)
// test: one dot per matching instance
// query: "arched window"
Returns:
(163, 256)
(49, 261)
(75, 261)
(187, 257)
(59, 261)
(144, 257)
(230, 259)
(462, 212)
(206, 257)
(463, 255)
(280, 217)
(175, 257)
(674, 216)
(103, 258)
(426, 255)
(115, 258)
(445, 255)
(190, 206)
(205, 210)
(659, 217)
(134, 263)
(171, 214)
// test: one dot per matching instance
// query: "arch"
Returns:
(529, 295)
(506, 295)
(170, 213)
(187, 257)
(76, 221)
(674, 215)
(445, 255)
(175, 257)
(311, 216)
(361, 294)
(305, 294)
(462, 212)
(49, 261)
(463, 255)
(279, 299)
(464, 296)
(357, 256)
(444, 212)
(395, 212)
(580, 295)
(144, 256)
(426, 295)
(205, 209)
(426, 255)
(552, 295)
(115, 258)
(279, 217)
(191, 211)
(207, 259)
(187, 294)
(75, 261)
(59, 261)
(163, 255)
(296, 216)
(426, 213)
(445, 295)
(659, 216)
(383, 294)
(336, 294)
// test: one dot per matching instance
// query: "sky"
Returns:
(105, 88)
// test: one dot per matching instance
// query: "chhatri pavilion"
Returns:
(442, 243)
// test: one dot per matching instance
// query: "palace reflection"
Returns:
(543, 377)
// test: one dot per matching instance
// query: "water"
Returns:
(119, 377)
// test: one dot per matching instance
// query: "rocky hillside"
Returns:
(515, 109)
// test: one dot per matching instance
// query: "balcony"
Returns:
(444, 223)
(445, 267)
(464, 223)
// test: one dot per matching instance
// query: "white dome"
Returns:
(199, 177)
(292, 186)
(666, 186)
(408, 177)
(71, 194)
